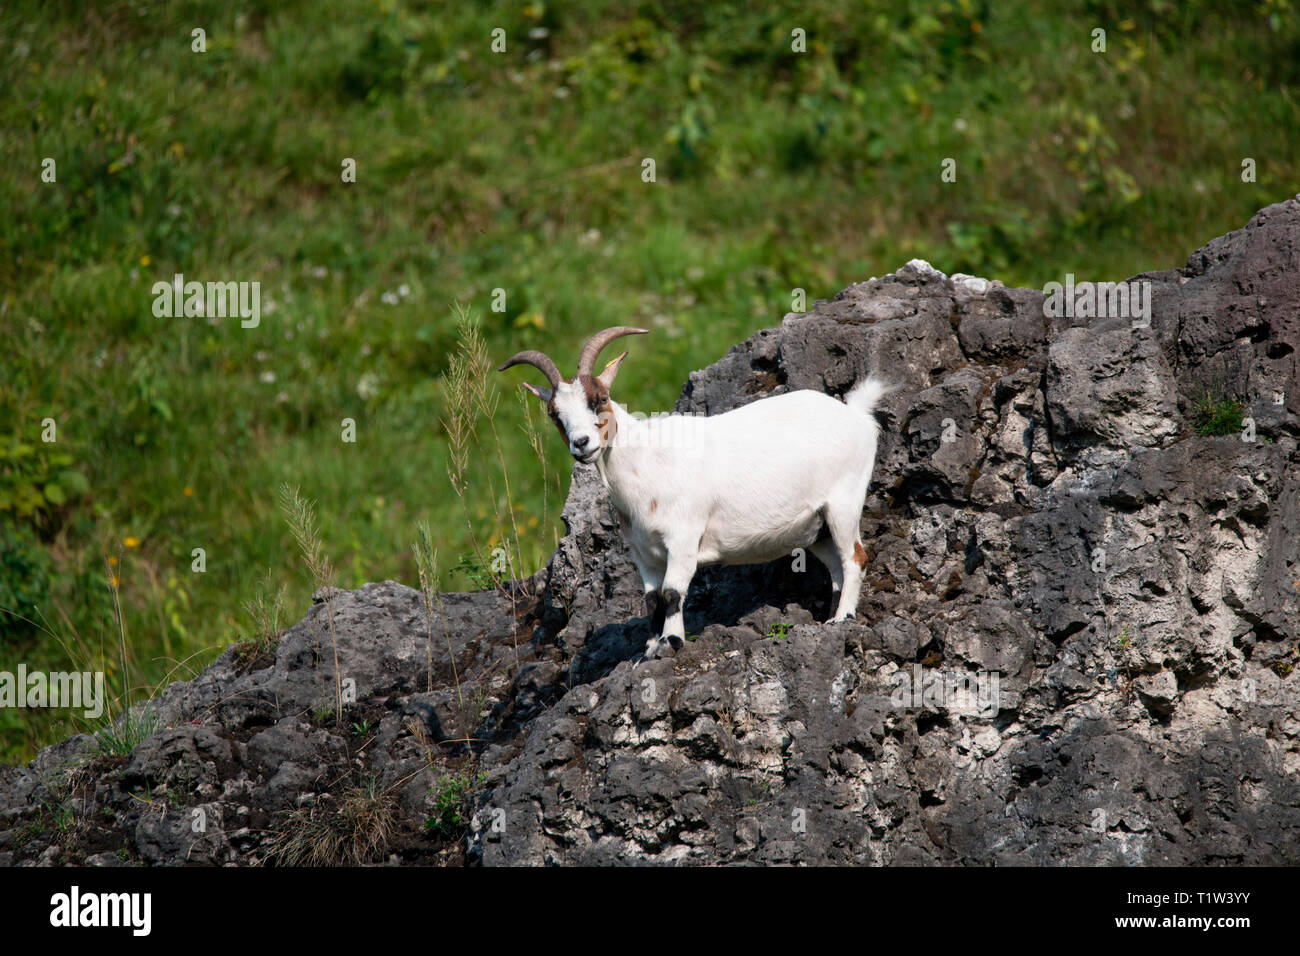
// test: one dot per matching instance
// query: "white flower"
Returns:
(368, 385)
(267, 377)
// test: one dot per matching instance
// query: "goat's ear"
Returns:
(543, 393)
(606, 377)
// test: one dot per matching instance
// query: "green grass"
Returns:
(779, 630)
(1221, 416)
(121, 735)
(450, 803)
(519, 171)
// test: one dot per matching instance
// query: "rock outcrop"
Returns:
(1075, 643)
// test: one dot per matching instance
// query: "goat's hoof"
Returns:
(658, 647)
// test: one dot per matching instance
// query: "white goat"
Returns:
(748, 486)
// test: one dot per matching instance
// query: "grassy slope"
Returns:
(521, 171)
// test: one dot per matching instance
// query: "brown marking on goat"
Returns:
(859, 555)
(654, 505)
(592, 389)
(608, 423)
(550, 410)
(598, 401)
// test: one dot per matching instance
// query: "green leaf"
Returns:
(54, 494)
(75, 482)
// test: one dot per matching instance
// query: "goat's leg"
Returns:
(652, 581)
(677, 580)
(842, 518)
(823, 550)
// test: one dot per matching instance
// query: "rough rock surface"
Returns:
(1045, 526)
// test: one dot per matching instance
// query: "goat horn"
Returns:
(587, 360)
(539, 360)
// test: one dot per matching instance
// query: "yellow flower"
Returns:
(113, 581)
(188, 492)
(144, 260)
(112, 561)
(131, 542)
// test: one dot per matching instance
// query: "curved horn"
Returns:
(587, 360)
(539, 360)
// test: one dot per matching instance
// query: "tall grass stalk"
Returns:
(470, 396)
(534, 436)
(301, 518)
(426, 562)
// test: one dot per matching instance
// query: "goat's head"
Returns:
(579, 406)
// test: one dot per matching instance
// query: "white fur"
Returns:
(744, 487)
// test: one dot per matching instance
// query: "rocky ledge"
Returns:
(1075, 645)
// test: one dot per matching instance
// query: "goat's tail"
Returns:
(864, 396)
